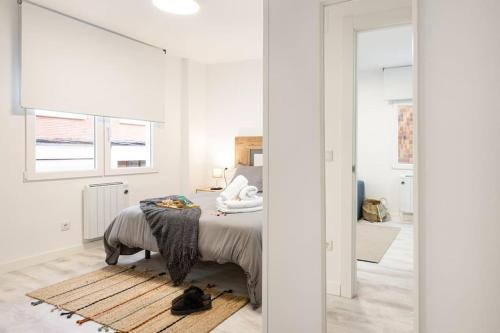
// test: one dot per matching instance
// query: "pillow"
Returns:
(252, 173)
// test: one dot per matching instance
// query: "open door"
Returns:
(342, 22)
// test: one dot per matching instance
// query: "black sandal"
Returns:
(193, 289)
(192, 300)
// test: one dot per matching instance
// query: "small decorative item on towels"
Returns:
(375, 210)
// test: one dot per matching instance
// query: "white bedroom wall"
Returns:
(234, 107)
(222, 101)
(194, 133)
(377, 139)
(38, 208)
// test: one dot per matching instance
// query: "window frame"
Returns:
(102, 153)
(397, 165)
(109, 171)
(31, 173)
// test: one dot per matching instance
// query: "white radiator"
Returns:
(101, 203)
(406, 200)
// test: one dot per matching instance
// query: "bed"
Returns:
(232, 238)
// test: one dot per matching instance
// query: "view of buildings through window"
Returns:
(67, 142)
(64, 142)
(130, 143)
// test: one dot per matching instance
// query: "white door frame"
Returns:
(346, 114)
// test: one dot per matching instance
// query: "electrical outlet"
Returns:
(329, 246)
(65, 226)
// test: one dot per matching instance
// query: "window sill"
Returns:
(130, 171)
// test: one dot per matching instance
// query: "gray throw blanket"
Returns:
(176, 232)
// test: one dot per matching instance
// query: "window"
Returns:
(64, 142)
(404, 158)
(66, 145)
(129, 145)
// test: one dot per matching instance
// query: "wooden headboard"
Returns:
(245, 147)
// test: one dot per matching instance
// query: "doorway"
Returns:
(369, 114)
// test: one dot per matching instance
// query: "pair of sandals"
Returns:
(192, 300)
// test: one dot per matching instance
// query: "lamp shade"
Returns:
(217, 173)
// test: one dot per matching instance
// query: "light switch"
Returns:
(329, 156)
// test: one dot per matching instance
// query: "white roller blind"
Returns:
(71, 66)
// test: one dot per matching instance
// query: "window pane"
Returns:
(405, 134)
(130, 143)
(64, 142)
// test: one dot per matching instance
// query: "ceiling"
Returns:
(222, 31)
(387, 47)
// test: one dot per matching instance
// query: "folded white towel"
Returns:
(239, 210)
(248, 193)
(238, 204)
(233, 190)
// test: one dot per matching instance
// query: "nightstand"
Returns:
(207, 189)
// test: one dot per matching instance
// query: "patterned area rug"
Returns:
(126, 300)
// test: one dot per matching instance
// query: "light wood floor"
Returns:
(384, 303)
(18, 316)
(385, 292)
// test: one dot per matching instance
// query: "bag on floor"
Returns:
(375, 210)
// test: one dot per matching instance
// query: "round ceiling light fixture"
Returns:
(178, 7)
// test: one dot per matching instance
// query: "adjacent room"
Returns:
(133, 144)
(384, 129)
(384, 170)
(369, 152)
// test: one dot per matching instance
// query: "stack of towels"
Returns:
(239, 197)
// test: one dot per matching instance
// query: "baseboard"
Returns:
(43, 257)
(333, 288)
